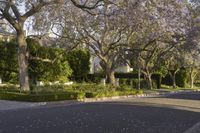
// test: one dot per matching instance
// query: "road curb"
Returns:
(156, 94)
(120, 97)
(194, 129)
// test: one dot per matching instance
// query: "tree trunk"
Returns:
(191, 77)
(173, 77)
(191, 82)
(23, 61)
(149, 81)
(174, 80)
(110, 74)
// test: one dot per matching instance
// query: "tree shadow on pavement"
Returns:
(105, 117)
(185, 95)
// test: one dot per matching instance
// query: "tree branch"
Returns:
(15, 10)
(38, 7)
(84, 6)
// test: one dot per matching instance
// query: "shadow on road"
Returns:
(106, 117)
(185, 95)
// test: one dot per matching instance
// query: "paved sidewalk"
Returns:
(189, 105)
(13, 105)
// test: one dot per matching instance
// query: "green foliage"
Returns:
(45, 64)
(129, 79)
(48, 64)
(9, 88)
(157, 79)
(79, 61)
(143, 83)
(167, 80)
(42, 97)
(95, 78)
(126, 75)
(62, 92)
(182, 78)
(8, 62)
(133, 83)
(122, 81)
(124, 87)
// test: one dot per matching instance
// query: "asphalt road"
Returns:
(171, 114)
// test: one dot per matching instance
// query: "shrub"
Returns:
(8, 62)
(127, 75)
(157, 77)
(58, 68)
(47, 89)
(42, 97)
(167, 80)
(182, 78)
(95, 78)
(79, 61)
(61, 92)
(143, 84)
(123, 88)
(122, 81)
(9, 88)
(112, 93)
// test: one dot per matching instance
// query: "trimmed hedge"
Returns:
(111, 94)
(135, 82)
(181, 79)
(125, 78)
(9, 88)
(42, 97)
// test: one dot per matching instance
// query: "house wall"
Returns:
(95, 66)
(124, 69)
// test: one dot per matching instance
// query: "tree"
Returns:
(157, 33)
(10, 11)
(191, 47)
(174, 61)
(102, 31)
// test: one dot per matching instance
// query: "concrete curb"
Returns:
(156, 94)
(119, 97)
(194, 129)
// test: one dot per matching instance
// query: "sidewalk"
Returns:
(13, 105)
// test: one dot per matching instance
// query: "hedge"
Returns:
(135, 82)
(181, 79)
(111, 94)
(42, 97)
(61, 92)
(125, 78)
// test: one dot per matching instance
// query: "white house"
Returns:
(95, 66)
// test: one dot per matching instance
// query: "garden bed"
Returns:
(60, 92)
